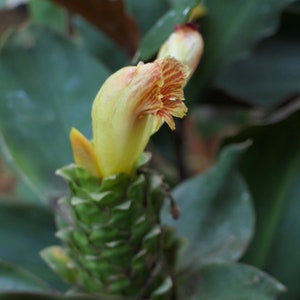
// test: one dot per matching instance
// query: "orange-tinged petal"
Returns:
(130, 106)
(84, 152)
(174, 76)
(165, 99)
(121, 124)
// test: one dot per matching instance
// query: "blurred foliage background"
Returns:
(234, 161)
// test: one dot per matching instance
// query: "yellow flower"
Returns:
(186, 45)
(131, 105)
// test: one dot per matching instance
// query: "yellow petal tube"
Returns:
(130, 106)
(186, 45)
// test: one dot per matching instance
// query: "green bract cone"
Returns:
(114, 243)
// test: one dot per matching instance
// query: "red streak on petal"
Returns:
(162, 94)
(174, 75)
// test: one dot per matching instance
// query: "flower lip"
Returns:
(174, 75)
(164, 99)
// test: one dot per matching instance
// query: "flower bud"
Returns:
(186, 45)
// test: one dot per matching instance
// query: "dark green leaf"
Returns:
(100, 45)
(155, 37)
(146, 13)
(13, 278)
(216, 214)
(271, 73)
(271, 168)
(47, 85)
(230, 30)
(24, 231)
(230, 281)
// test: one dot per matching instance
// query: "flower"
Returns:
(131, 105)
(186, 45)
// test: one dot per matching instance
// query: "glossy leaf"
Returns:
(108, 16)
(228, 281)
(146, 13)
(24, 231)
(272, 170)
(270, 75)
(230, 29)
(13, 278)
(216, 220)
(84, 34)
(156, 36)
(100, 45)
(47, 85)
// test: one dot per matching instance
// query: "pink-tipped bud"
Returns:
(186, 45)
